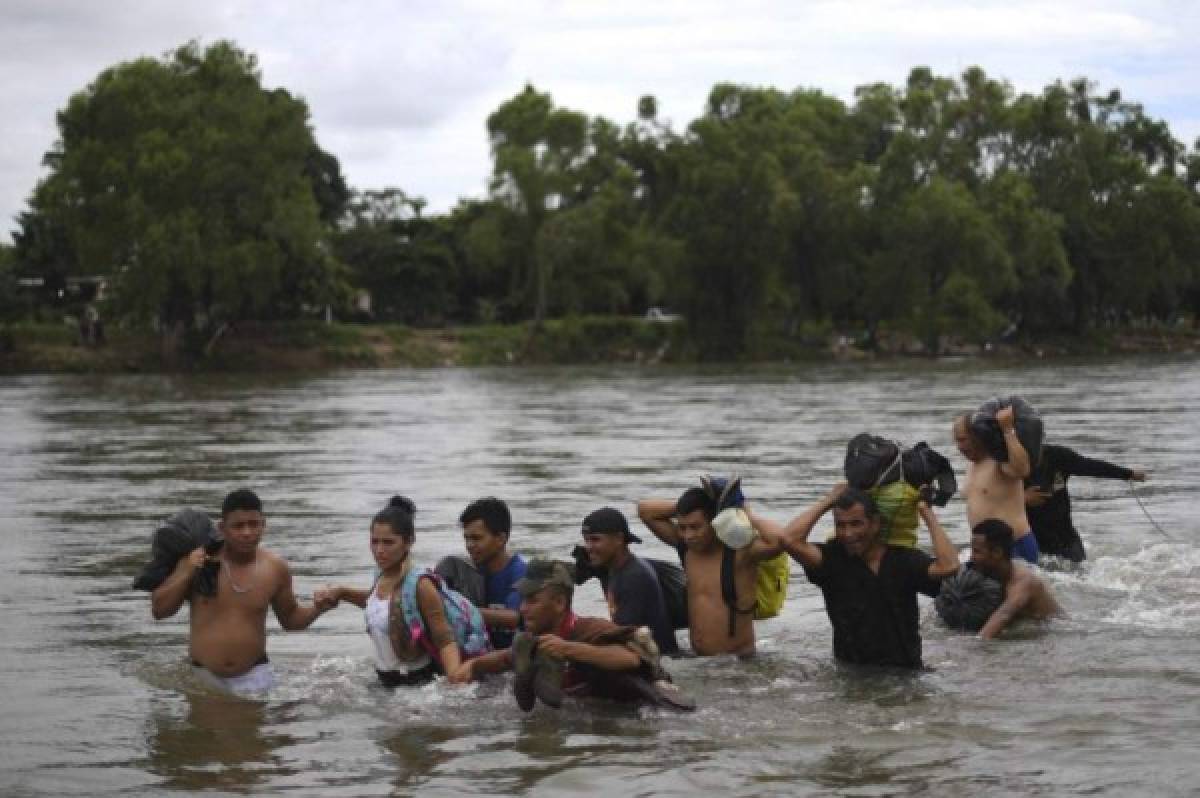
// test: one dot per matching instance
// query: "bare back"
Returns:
(1025, 596)
(1040, 603)
(991, 493)
(708, 614)
(228, 631)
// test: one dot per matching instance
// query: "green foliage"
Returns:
(197, 191)
(402, 259)
(10, 300)
(945, 210)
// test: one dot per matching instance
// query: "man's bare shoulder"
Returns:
(275, 567)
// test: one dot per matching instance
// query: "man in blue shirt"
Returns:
(487, 525)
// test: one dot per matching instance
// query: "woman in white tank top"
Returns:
(398, 659)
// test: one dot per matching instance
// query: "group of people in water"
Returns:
(492, 611)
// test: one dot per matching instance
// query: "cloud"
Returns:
(400, 92)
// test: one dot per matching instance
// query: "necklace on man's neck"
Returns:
(229, 572)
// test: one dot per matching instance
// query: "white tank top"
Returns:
(376, 613)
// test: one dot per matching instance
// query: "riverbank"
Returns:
(315, 346)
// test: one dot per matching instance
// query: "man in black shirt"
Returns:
(630, 584)
(870, 587)
(1048, 504)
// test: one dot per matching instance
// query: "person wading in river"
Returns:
(995, 489)
(1048, 504)
(1025, 596)
(419, 627)
(228, 639)
(487, 526)
(870, 587)
(686, 526)
(631, 587)
(560, 654)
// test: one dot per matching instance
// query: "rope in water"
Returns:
(1146, 512)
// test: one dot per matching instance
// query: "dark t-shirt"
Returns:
(635, 599)
(1051, 522)
(874, 616)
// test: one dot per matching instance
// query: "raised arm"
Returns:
(945, 555)
(1016, 598)
(1018, 465)
(429, 604)
(658, 516)
(768, 541)
(167, 598)
(794, 536)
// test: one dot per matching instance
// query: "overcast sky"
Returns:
(400, 91)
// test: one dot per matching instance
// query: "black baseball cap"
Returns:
(609, 521)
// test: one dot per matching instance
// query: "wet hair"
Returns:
(241, 499)
(399, 516)
(492, 512)
(694, 499)
(997, 533)
(853, 496)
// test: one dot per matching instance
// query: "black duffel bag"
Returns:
(1026, 421)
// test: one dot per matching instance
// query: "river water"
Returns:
(98, 700)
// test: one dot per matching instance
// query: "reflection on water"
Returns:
(220, 741)
(98, 699)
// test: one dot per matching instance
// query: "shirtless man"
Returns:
(686, 526)
(228, 639)
(1025, 596)
(995, 489)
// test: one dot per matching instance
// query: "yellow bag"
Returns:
(897, 503)
(770, 588)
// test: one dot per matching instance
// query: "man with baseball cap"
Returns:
(631, 586)
(561, 654)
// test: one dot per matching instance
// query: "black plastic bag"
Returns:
(1026, 421)
(871, 461)
(929, 471)
(967, 599)
(179, 536)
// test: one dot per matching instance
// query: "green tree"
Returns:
(193, 188)
(730, 212)
(941, 264)
(10, 301)
(1033, 238)
(1099, 164)
(402, 258)
(494, 249)
(538, 151)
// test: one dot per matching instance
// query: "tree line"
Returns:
(948, 207)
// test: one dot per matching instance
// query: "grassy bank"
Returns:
(48, 348)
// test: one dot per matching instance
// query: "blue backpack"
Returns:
(464, 617)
